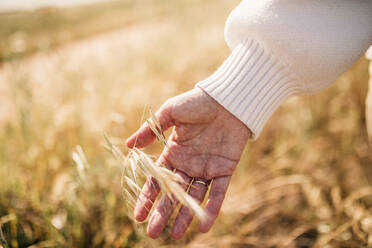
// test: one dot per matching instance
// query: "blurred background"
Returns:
(70, 73)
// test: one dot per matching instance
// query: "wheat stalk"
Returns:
(138, 164)
(155, 126)
(3, 220)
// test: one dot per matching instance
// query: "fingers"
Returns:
(165, 207)
(163, 210)
(216, 196)
(149, 192)
(159, 217)
(141, 138)
(146, 199)
(144, 136)
(185, 216)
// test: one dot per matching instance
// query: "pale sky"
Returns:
(7, 5)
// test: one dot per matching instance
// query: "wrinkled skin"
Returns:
(206, 144)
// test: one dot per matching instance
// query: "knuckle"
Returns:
(168, 104)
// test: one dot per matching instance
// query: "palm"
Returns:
(205, 144)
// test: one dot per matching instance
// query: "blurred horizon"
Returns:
(30, 5)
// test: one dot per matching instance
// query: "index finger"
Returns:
(141, 138)
(145, 136)
(215, 198)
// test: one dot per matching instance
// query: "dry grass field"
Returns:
(69, 76)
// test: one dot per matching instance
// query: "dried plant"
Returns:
(137, 164)
(3, 220)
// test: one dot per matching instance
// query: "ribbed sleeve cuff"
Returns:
(251, 84)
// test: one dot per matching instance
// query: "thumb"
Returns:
(145, 136)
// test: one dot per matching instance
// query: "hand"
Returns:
(206, 143)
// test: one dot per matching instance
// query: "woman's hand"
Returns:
(206, 144)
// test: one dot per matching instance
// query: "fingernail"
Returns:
(154, 218)
(177, 232)
(140, 212)
(152, 228)
(205, 225)
(127, 142)
(139, 216)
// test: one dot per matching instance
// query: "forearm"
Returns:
(282, 48)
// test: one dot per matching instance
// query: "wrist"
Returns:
(251, 84)
(245, 130)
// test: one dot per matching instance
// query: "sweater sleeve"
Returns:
(282, 48)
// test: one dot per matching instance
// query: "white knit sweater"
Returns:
(282, 48)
